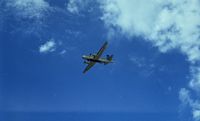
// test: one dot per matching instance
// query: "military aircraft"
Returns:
(92, 59)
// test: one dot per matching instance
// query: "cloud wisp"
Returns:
(187, 100)
(75, 6)
(29, 8)
(167, 25)
(49, 46)
(72, 6)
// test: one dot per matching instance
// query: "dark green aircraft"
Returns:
(96, 58)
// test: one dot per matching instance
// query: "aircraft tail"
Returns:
(109, 57)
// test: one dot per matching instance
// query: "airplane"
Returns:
(92, 59)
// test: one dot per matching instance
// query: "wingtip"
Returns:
(84, 72)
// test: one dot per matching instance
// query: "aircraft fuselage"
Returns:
(92, 58)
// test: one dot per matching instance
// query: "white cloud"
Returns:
(168, 24)
(195, 82)
(29, 8)
(185, 97)
(196, 115)
(131, 16)
(49, 46)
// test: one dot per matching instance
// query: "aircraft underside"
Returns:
(91, 59)
(98, 61)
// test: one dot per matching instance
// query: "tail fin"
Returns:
(109, 57)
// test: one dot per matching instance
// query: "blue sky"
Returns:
(155, 74)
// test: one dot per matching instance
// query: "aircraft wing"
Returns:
(100, 52)
(89, 66)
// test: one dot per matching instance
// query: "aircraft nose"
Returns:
(83, 56)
